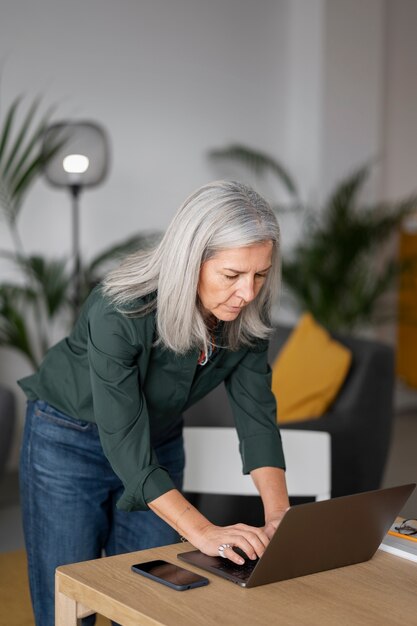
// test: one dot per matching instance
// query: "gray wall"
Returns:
(169, 79)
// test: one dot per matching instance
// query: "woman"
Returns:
(102, 458)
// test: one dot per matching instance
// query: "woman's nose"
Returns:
(246, 290)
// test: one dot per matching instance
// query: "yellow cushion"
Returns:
(308, 372)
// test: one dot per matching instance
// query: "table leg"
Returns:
(65, 608)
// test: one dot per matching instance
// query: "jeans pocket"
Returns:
(51, 414)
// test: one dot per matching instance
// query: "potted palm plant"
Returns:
(41, 284)
(335, 270)
(40, 295)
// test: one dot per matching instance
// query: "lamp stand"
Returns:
(75, 195)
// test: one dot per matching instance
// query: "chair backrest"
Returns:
(213, 463)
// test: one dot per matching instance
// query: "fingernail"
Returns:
(241, 561)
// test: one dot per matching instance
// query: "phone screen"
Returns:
(170, 574)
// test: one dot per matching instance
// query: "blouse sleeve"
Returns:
(254, 409)
(120, 407)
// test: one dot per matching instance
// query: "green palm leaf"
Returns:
(23, 160)
(14, 328)
(343, 200)
(258, 162)
(31, 144)
(22, 180)
(333, 271)
(53, 281)
(20, 137)
(4, 137)
(140, 241)
(50, 280)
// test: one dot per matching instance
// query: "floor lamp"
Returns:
(80, 161)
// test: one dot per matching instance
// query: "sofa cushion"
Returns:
(308, 372)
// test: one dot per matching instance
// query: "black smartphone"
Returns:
(171, 575)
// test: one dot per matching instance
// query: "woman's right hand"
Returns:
(250, 539)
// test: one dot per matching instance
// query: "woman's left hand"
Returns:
(272, 523)
(270, 482)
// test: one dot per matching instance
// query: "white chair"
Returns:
(213, 463)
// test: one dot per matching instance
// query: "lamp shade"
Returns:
(80, 154)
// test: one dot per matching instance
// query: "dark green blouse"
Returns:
(109, 371)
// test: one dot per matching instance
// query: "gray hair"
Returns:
(218, 216)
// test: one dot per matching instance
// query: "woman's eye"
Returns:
(261, 276)
(230, 277)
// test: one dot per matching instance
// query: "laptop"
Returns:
(315, 537)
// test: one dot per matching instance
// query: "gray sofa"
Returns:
(7, 424)
(359, 421)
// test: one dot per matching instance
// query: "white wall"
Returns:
(305, 93)
(335, 89)
(168, 79)
(400, 128)
(353, 102)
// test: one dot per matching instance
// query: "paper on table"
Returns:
(399, 545)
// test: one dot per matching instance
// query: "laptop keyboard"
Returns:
(238, 571)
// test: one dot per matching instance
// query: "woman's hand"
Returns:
(207, 537)
(272, 523)
(250, 539)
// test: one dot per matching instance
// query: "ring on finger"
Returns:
(222, 548)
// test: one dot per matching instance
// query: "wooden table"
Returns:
(380, 591)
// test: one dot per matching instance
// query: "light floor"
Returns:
(401, 468)
(11, 534)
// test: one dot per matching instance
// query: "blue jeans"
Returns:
(69, 493)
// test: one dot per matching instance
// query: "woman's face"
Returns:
(233, 278)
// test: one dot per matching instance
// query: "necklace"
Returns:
(204, 357)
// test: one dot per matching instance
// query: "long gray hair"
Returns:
(218, 216)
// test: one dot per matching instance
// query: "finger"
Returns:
(226, 549)
(233, 556)
(253, 531)
(250, 544)
(257, 547)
